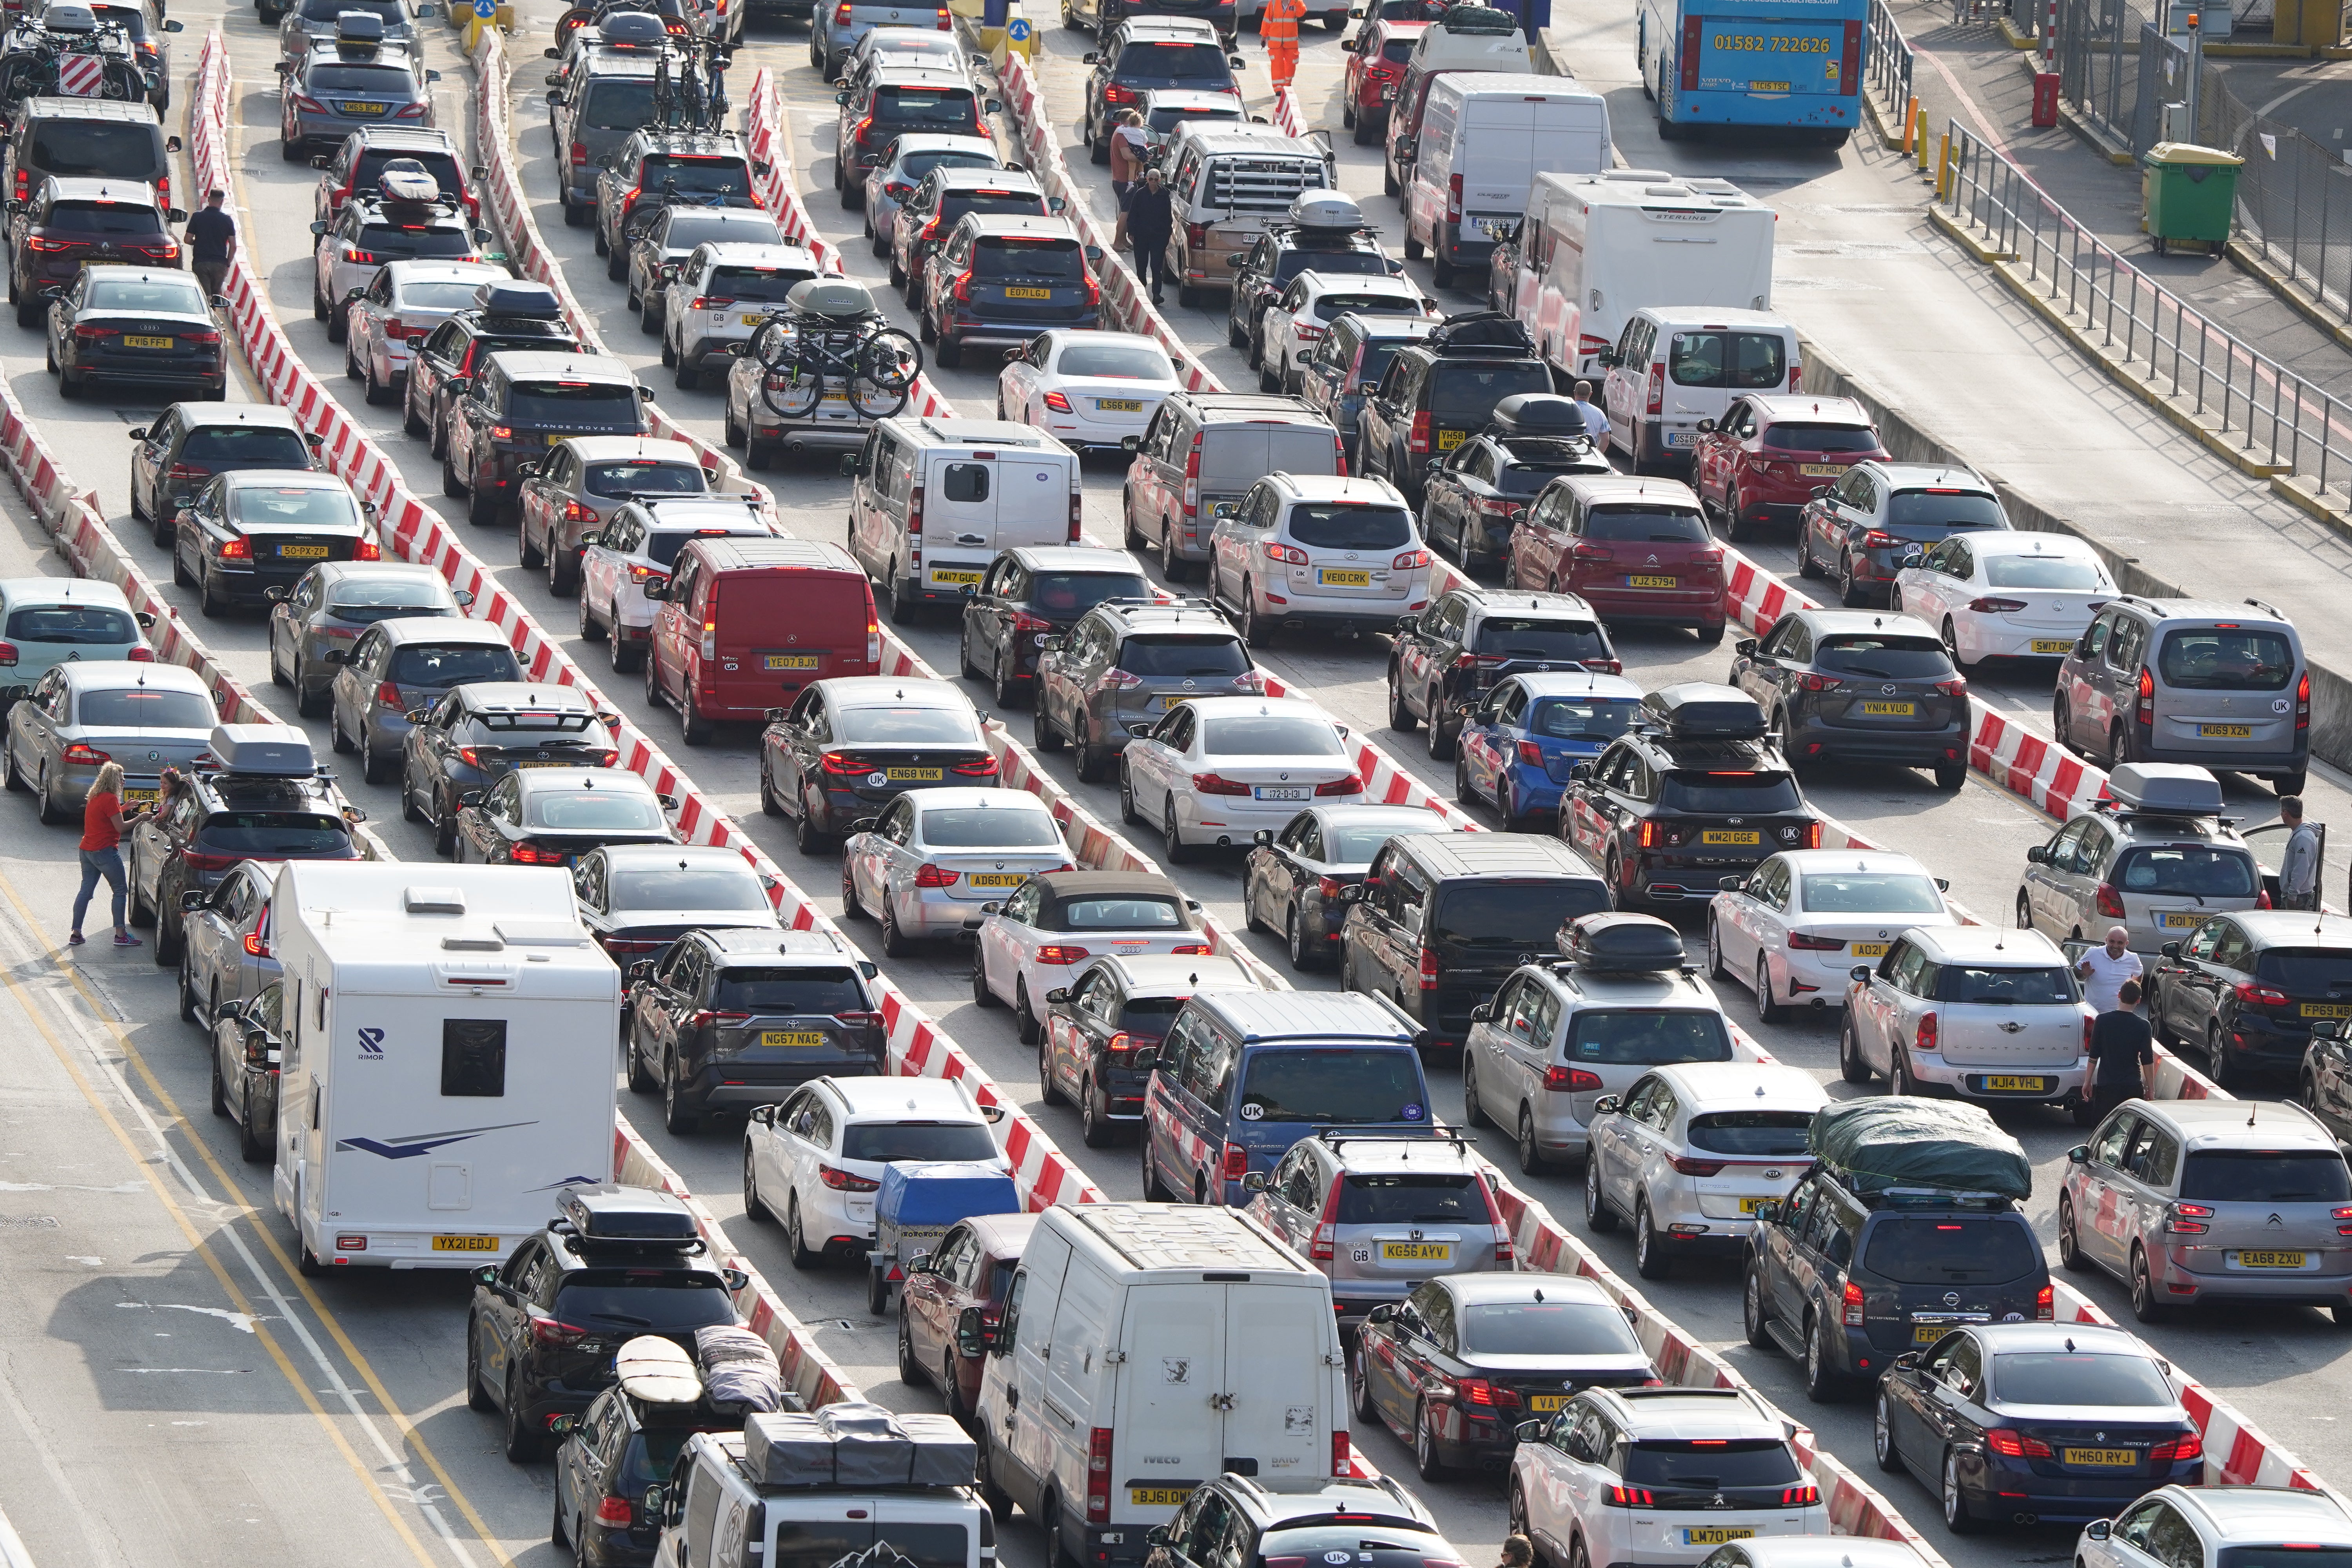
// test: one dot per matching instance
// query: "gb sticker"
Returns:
(1359, 1255)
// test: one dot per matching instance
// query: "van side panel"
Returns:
(1176, 1338)
(1601, 261)
(1077, 1379)
(1024, 1385)
(1281, 1347)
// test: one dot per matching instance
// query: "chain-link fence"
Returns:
(2099, 60)
(2294, 195)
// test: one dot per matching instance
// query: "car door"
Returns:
(877, 852)
(502, 1320)
(1949, 1409)
(928, 1299)
(2098, 1218)
(1007, 938)
(1614, 1149)
(1285, 867)
(1152, 759)
(1173, 1118)
(1644, 1145)
(1523, 1043)
(1758, 673)
(1772, 1248)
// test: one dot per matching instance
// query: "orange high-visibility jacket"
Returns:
(1278, 23)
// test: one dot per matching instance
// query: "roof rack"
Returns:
(1336, 1137)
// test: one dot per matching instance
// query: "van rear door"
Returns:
(959, 516)
(781, 628)
(1276, 1337)
(1175, 1340)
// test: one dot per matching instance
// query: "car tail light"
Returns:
(43, 244)
(962, 288)
(1572, 1081)
(1114, 93)
(196, 860)
(1237, 1162)
(532, 855)
(1058, 403)
(1955, 686)
(2111, 902)
(1927, 1038)
(842, 1181)
(2303, 701)
(708, 1018)
(1325, 1247)
(1996, 606)
(641, 573)
(1061, 953)
(2045, 1305)
(1803, 942)
(1217, 783)
(1632, 1496)
(1823, 683)
(8, 653)
(83, 754)
(1811, 835)
(2015, 1445)
(237, 549)
(1118, 680)
(710, 303)
(1853, 1314)
(187, 472)
(501, 432)
(142, 653)
(1801, 1496)
(2258, 995)
(2146, 695)
(935, 876)
(977, 768)
(1657, 389)
(616, 1512)
(1688, 1166)
(843, 763)
(1346, 784)
(388, 694)
(1097, 1474)
(1289, 554)
(1418, 439)
(1192, 470)
(1329, 887)
(1190, 950)
(1093, 290)
(1531, 753)
(1453, 198)
(874, 640)
(467, 755)
(1648, 838)
(367, 550)
(309, 105)
(574, 513)
(1591, 553)
(580, 152)
(1409, 560)
(1429, 969)
(547, 1330)
(363, 257)
(1343, 1454)
(2188, 1445)
(857, 131)
(1879, 539)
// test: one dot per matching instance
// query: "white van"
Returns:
(447, 1061)
(1145, 1348)
(937, 499)
(1597, 247)
(1676, 365)
(1483, 137)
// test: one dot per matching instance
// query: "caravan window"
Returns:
(473, 1057)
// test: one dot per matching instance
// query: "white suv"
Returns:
(1982, 1012)
(1311, 551)
(1658, 1476)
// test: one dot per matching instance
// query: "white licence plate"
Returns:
(1681, 439)
(1264, 791)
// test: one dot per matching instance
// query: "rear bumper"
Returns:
(1911, 748)
(732, 1085)
(972, 330)
(2066, 1085)
(1679, 607)
(2260, 764)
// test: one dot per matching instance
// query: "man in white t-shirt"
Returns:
(2104, 969)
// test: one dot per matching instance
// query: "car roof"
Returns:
(1706, 1087)
(1487, 599)
(1221, 707)
(1623, 487)
(1412, 817)
(692, 853)
(1064, 885)
(439, 628)
(1514, 1287)
(2291, 928)
(536, 781)
(770, 946)
(1041, 225)
(1002, 1234)
(698, 513)
(724, 251)
(283, 479)
(1336, 488)
(953, 176)
(1803, 860)
(1939, 475)
(2203, 609)
(545, 362)
(87, 188)
(1300, 1016)
(965, 796)
(2216, 1124)
(605, 448)
(20, 591)
(1690, 1413)
(1993, 945)
(144, 274)
(907, 141)
(1388, 1151)
(413, 268)
(1832, 621)
(919, 75)
(1798, 406)
(1468, 853)
(1829, 1552)
(405, 136)
(1376, 327)
(109, 673)
(893, 690)
(1705, 315)
(1404, 288)
(2090, 1338)
(2255, 1514)
(203, 415)
(1255, 406)
(1569, 683)
(87, 109)
(1076, 558)
(508, 696)
(888, 1098)
(1176, 975)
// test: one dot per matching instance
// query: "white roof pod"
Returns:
(1326, 209)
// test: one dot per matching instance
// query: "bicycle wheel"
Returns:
(874, 400)
(773, 345)
(571, 22)
(891, 360)
(792, 393)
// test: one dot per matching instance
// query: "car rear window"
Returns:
(1870, 893)
(1355, 844)
(1941, 508)
(2187, 869)
(1271, 735)
(1336, 526)
(555, 401)
(148, 294)
(1745, 362)
(689, 230)
(646, 477)
(1400, 1197)
(442, 166)
(2304, 971)
(922, 106)
(2284, 1557)
(1956, 1249)
(395, 84)
(107, 149)
(1983, 985)
(1655, 523)
(1465, 393)
(1045, 260)
(1647, 1036)
(1797, 437)
(989, 827)
(655, 1301)
(246, 446)
(1710, 1466)
(536, 722)
(80, 625)
(2072, 1377)
(953, 204)
(1542, 637)
(764, 285)
(699, 172)
(106, 217)
(1375, 1543)
(1507, 911)
(1331, 306)
(1131, 911)
(1337, 1085)
(428, 666)
(1397, 50)
(1526, 476)
(617, 102)
(1148, 63)
(295, 506)
(592, 811)
(906, 727)
(1545, 1328)
(807, 991)
(1067, 592)
(1689, 789)
(140, 710)
(1148, 653)
(1150, 1016)
(662, 548)
(2226, 658)
(1355, 263)
(420, 241)
(1767, 1132)
(888, 1140)
(2265, 1176)
(913, 166)
(1573, 719)
(443, 294)
(688, 888)
(1885, 657)
(2061, 571)
(273, 833)
(1374, 362)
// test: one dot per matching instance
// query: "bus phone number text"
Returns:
(1752, 43)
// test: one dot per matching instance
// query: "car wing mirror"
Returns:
(737, 1280)
(1706, 426)
(991, 1114)
(1768, 1211)
(975, 1336)
(318, 226)
(336, 655)
(2172, 950)
(2080, 1154)
(1605, 1106)
(2098, 1530)
(1580, 774)
(472, 797)
(1145, 1057)
(1746, 646)
(226, 1011)
(1859, 974)
(1353, 893)
(145, 619)
(1483, 1013)
(488, 1274)
(2037, 853)
(1255, 1181)
(1263, 837)
(562, 1426)
(417, 715)
(1915, 559)
(765, 1115)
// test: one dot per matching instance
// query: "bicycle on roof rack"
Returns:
(830, 342)
(695, 97)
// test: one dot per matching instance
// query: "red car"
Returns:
(1772, 452)
(972, 1267)
(1636, 550)
(1376, 60)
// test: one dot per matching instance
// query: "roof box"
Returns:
(1539, 414)
(2175, 788)
(405, 179)
(1326, 209)
(857, 1445)
(739, 1372)
(1693, 709)
(632, 29)
(358, 27)
(280, 751)
(1477, 20)
(829, 296)
(608, 1211)
(69, 18)
(1902, 1145)
(1481, 332)
(1624, 942)
(536, 300)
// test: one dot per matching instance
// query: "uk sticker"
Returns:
(1297, 1418)
(1176, 1368)
(1253, 1112)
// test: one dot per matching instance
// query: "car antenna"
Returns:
(2070, 1343)
(1538, 1295)
(2249, 1111)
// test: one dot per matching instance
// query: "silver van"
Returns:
(1197, 457)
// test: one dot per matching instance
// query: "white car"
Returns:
(636, 547)
(1296, 322)
(1986, 1013)
(406, 301)
(1218, 769)
(1659, 1476)
(1997, 595)
(815, 1161)
(1688, 1151)
(1792, 929)
(935, 855)
(1034, 942)
(888, 49)
(1818, 1552)
(1085, 387)
(2199, 1526)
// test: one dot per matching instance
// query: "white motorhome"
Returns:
(449, 1059)
(1483, 137)
(1597, 247)
(1143, 1349)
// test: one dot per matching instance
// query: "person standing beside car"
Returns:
(103, 824)
(1148, 223)
(2299, 867)
(211, 242)
(2123, 1054)
(2105, 970)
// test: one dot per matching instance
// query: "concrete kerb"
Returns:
(2254, 265)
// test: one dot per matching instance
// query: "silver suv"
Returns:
(2157, 859)
(1381, 1215)
(1118, 670)
(2190, 680)
(1313, 550)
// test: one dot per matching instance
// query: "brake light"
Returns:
(1801, 1496)
(707, 1018)
(2111, 902)
(2016, 1445)
(1058, 403)
(1429, 969)
(1098, 1476)
(1955, 686)
(1657, 389)
(1192, 472)
(845, 1181)
(1823, 683)
(365, 257)
(1078, 516)
(2188, 1445)
(1995, 606)
(580, 152)
(547, 1330)
(1116, 679)
(1114, 93)
(1804, 942)
(1852, 1313)
(2148, 694)
(42, 243)
(1632, 1496)
(1061, 953)
(641, 573)
(616, 1512)
(367, 550)
(1453, 198)
(532, 855)
(1346, 784)
(87, 333)
(2303, 701)
(467, 755)
(1217, 783)
(142, 653)
(962, 289)
(1649, 837)
(2045, 1305)
(2259, 994)
(873, 640)
(1693, 30)
(1325, 1248)
(1418, 439)
(83, 754)
(1237, 1162)
(1572, 1081)
(1531, 753)
(1927, 1038)
(935, 876)
(1409, 560)
(1474, 1390)
(1879, 539)
(977, 768)
(1690, 1167)
(1813, 835)
(1343, 1456)
(857, 131)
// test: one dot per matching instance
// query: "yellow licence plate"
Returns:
(2021, 1084)
(365, 108)
(301, 553)
(1868, 950)
(1748, 1205)
(547, 763)
(1714, 1534)
(996, 879)
(2053, 645)
(1650, 581)
(2310, 1009)
(465, 1243)
(1927, 1333)
(1889, 710)
(792, 1039)
(1545, 1404)
(957, 576)
(1158, 1497)
(1415, 1251)
(2271, 1259)
(1819, 470)
(137, 796)
(130, 342)
(912, 775)
(751, 321)
(1119, 404)
(1768, 87)
(791, 661)
(1332, 578)
(2227, 732)
(1729, 835)
(2182, 919)
(2103, 1458)
(1449, 439)
(1028, 293)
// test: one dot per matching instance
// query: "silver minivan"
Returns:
(2157, 859)
(1198, 458)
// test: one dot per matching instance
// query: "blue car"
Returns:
(1524, 734)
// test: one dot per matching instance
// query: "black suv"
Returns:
(1116, 673)
(1845, 1280)
(731, 1019)
(1475, 495)
(653, 169)
(1033, 593)
(939, 203)
(520, 404)
(190, 442)
(1858, 685)
(1442, 919)
(1439, 392)
(616, 1262)
(440, 368)
(483, 730)
(1250, 1519)
(1147, 51)
(2247, 986)
(1693, 798)
(609, 1457)
(1444, 660)
(216, 820)
(1283, 251)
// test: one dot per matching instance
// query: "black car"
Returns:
(609, 1457)
(519, 404)
(1851, 686)
(190, 442)
(1694, 793)
(480, 733)
(735, 1018)
(446, 363)
(1029, 594)
(215, 821)
(653, 169)
(1243, 1518)
(1145, 52)
(248, 1039)
(1444, 660)
(1845, 1280)
(939, 203)
(1473, 495)
(1439, 392)
(552, 817)
(1284, 250)
(1506, 1347)
(248, 532)
(997, 282)
(2247, 986)
(637, 898)
(855, 744)
(139, 324)
(615, 1263)
(70, 224)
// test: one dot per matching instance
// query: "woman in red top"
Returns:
(103, 824)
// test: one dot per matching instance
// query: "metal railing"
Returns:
(2265, 410)
(1889, 62)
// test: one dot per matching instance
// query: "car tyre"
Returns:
(2220, 1065)
(1851, 1065)
(522, 1444)
(1650, 1259)
(1823, 1382)
(477, 1396)
(1154, 1190)
(1753, 1321)
(2070, 1252)
(1359, 1391)
(1024, 1021)
(1599, 1218)
(1881, 1438)
(797, 1245)
(1179, 853)
(1849, 592)
(1426, 1461)
(1095, 1126)
(1957, 1517)
(1400, 718)
(1303, 955)
(1768, 1009)
(1531, 1158)
(981, 996)
(681, 1121)
(2144, 1305)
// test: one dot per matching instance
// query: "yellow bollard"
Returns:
(1944, 166)
(1922, 139)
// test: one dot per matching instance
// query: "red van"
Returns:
(744, 623)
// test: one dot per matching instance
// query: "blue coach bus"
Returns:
(1794, 63)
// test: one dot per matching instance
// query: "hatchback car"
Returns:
(2252, 988)
(1524, 738)
(637, 898)
(217, 962)
(248, 1045)
(1637, 550)
(1473, 498)
(1088, 388)
(634, 547)
(1431, 400)
(1374, 71)
(1770, 453)
(927, 863)
(846, 748)
(1119, 670)
(717, 296)
(940, 202)
(552, 817)
(1095, 1024)
(1329, 554)
(1034, 593)
(78, 715)
(1199, 456)
(188, 443)
(306, 23)
(70, 224)
(1850, 685)
(484, 730)
(1291, 879)
(54, 620)
(447, 362)
(835, 34)
(403, 302)
(134, 325)
(250, 530)
(1219, 769)
(1858, 530)
(2153, 855)
(904, 163)
(1056, 920)
(370, 233)
(585, 479)
(972, 1266)
(657, 251)
(354, 168)
(2005, 595)
(331, 92)
(399, 666)
(1268, 1519)
(1456, 1366)
(1443, 662)
(1294, 323)
(610, 1457)
(652, 168)
(1179, 44)
(998, 281)
(1974, 1011)
(884, 104)
(1792, 928)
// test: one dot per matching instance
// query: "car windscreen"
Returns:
(1774, 1134)
(147, 294)
(1125, 361)
(695, 174)
(888, 1140)
(906, 727)
(1043, 261)
(1713, 356)
(809, 990)
(2184, 869)
(1944, 507)
(1374, 362)
(661, 1301)
(1885, 657)
(82, 626)
(2061, 571)
(2265, 1176)
(2226, 658)
(1331, 306)
(1338, 1085)
(2077, 1378)
(989, 827)
(1526, 476)
(294, 506)
(1541, 637)
(1580, 719)
(105, 217)
(133, 709)
(1150, 1016)
(1507, 911)
(1157, 63)
(132, 19)
(1710, 1465)
(1411, 1197)
(592, 811)
(1983, 985)
(246, 446)
(1647, 1036)
(1128, 911)
(1271, 735)
(689, 230)
(761, 285)
(1145, 654)
(420, 241)
(438, 294)
(426, 665)
(2303, 971)
(1691, 789)
(646, 475)
(1956, 1249)
(107, 149)
(1068, 592)
(1545, 1328)
(617, 102)
(395, 84)
(557, 401)
(1869, 893)
(1794, 436)
(686, 887)
(273, 833)
(1355, 844)
(1465, 393)
(922, 106)
(1336, 526)
(1654, 522)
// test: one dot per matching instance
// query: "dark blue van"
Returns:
(1243, 1075)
